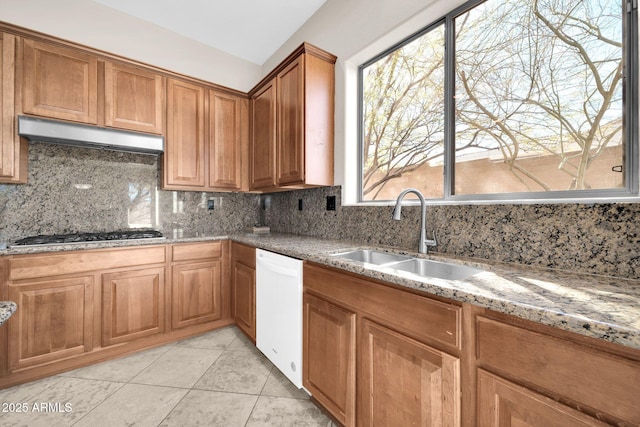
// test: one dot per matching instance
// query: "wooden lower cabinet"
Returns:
(243, 283)
(600, 380)
(329, 357)
(199, 285)
(502, 403)
(79, 307)
(425, 362)
(404, 382)
(196, 293)
(54, 320)
(375, 355)
(132, 305)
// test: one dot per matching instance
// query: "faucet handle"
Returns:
(433, 242)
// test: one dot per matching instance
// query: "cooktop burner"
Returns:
(88, 237)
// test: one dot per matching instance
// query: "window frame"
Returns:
(631, 191)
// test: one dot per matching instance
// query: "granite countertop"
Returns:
(7, 308)
(601, 307)
(178, 238)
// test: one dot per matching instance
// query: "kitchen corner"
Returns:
(530, 303)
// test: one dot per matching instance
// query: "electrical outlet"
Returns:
(331, 203)
(211, 204)
(299, 204)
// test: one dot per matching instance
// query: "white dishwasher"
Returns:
(279, 312)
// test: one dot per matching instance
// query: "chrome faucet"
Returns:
(424, 242)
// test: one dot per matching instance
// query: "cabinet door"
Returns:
(263, 137)
(329, 353)
(60, 83)
(184, 145)
(54, 320)
(228, 132)
(502, 403)
(404, 382)
(13, 154)
(134, 98)
(196, 293)
(244, 298)
(132, 305)
(290, 142)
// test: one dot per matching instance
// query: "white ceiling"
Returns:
(249, 29)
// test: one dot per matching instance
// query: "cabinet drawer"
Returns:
(424, 319)
(59, 263)
(193, 251)
(601, 381)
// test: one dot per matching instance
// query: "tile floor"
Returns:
(215, 379)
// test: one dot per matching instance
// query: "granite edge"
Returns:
(591, 324)
(7, 308)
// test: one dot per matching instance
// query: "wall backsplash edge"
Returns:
(588, 238)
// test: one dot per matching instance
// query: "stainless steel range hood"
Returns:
(58, 132)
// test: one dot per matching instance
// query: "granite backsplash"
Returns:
(74, 189)
(590, 238)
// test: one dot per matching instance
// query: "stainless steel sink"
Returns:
(372, 257)
(404, 264)
(441, 270)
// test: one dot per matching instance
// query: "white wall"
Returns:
(97, 26)
(355, 31)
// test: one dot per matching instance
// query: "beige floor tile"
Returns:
(285, 412)
(63, 403)
(211, 408)
(215, 340)
(242, 343)
(26, 392)
(178, 367)
(134, 404)
(278, 385)
(238, 372)
(122, 369)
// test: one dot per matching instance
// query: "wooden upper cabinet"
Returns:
(290, 141)
(263, 137)
(134, 98)
(13, 150)
(184, 156)
(228, 132)
(293, 121)
(60, 83)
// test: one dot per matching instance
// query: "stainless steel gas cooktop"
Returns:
(56, 239)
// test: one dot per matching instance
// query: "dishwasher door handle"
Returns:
(277, 269)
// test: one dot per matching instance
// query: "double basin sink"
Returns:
(403, 264)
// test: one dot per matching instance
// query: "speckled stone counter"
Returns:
(181, 238)
(7, 308)
(596, 306)
(601, 307)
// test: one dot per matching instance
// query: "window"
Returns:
(505, 99)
